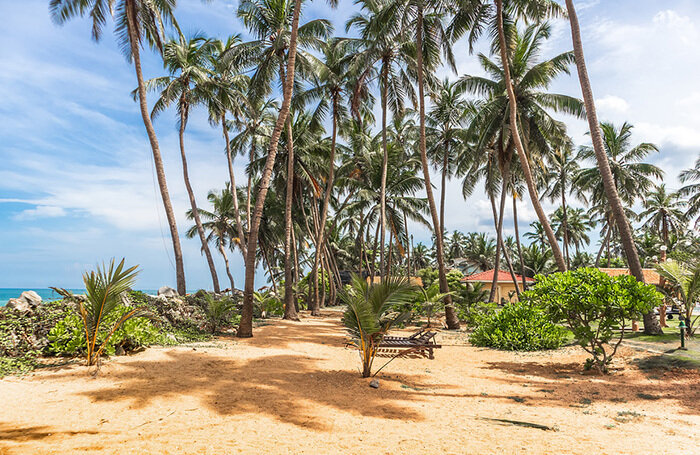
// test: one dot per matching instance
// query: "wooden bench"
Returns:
(422, 341)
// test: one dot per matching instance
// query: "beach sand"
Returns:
(294, 388)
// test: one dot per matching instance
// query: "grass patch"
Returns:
(627, 416)
(517, 399)
(647, 396)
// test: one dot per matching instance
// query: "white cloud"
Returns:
(40, 211)
(612, 103)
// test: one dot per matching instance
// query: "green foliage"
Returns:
(519, 326)
(67, 337)
(14, 365)
(684, 280)
(430, 300)
(472, 314)
(593, 304)
(220, 311)
(369, 314)
(267, 304)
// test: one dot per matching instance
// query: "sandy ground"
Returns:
(295, 388)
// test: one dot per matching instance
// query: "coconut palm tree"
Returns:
(186, 85)
(538, 260)
(557, 180)
(536, 234)
(136, 22)
(420, 256)
(444, 133)
(651, 323)
(664, 212)
(691, 190)
(383, 43)
(275, 25)
(480, 251)
(220, 224)
(572, 228)
(330, 85)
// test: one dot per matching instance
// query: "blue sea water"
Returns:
(45, 294)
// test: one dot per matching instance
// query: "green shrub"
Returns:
(593, 304)
(67, 337)
(473, 314)
(519, 326)
(219, 311)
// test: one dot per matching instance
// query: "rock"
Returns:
(374, 384)
(32, 297)
(119, 350)
(18, 304)
(167, 292)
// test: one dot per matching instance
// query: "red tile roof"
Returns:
(651, 276)
(502, 277)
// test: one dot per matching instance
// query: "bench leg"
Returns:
(430, 353)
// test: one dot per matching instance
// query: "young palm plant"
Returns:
(431, 300)
(686, 281)
(369, 314)
(103, 289)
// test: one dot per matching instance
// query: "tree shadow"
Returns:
(286, 387)
(281, 333)
(551, 379)
(13, 433)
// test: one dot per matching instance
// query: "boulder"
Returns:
(32, 297)
(167, 292)
(18, 304)
(27, 301)
(374, 384)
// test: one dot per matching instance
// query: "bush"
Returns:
(473, 314)
(519, 326)
(67, 337)
(220, 312)
(592, 304)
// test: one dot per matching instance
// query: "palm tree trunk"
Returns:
(234, 191)
(517, 240)
(269, 270)
(408, 248)
(320, 240)
(250, 186)
(155, 148)
(602, 246)
(515, 133)
(450, 313)
(651, 323)
(565, 227)
(385, 165)
(443, 190)
(245, 328)
(498, 219)
(289, 308)
(193, 202)
(228, 270)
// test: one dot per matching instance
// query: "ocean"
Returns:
(46, 294)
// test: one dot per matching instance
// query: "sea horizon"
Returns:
(47, 294)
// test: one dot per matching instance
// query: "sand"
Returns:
(295, 388)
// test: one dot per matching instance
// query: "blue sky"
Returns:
(76, 181)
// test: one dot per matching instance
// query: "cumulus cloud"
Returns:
(612, 103)
(40, 211)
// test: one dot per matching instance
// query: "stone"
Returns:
(18, 304)
(167, 292)
(374, 384)
(119, 350)
(32, 297)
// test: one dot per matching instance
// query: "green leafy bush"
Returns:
(220, 311)
(519, 326)
(474, 313)
(593, 304)
(67, 337)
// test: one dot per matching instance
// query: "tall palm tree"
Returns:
(245, 328)
(136, 21)
(420, 256)
(558, 175)
(444, 133)
(572, 228)
(651, 323)
(381, 42)
(480, 251)
(275, 25)
(227, 93)
(219, 223)
(664, 212)
(691, 190)
(330, 85)
(424, 20)
(537, 234)
(187, 62)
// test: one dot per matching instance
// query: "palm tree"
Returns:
(381, 42)
(537, 234)
(186, 61)
(558, 175)
(480, 251)
(227, 93)
(136, 21)
(664, 212)
(420, 256)
(276, 31)
(330, 84)
(691, 190)
(220, 224)
(444, 128)
(540, 9)
(651, 323)
(538, 260)
(571, 227)
(245, 328)
(491, 123)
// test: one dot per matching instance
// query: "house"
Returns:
(505, 288)
(651, 276)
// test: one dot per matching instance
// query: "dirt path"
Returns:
(294, 388)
